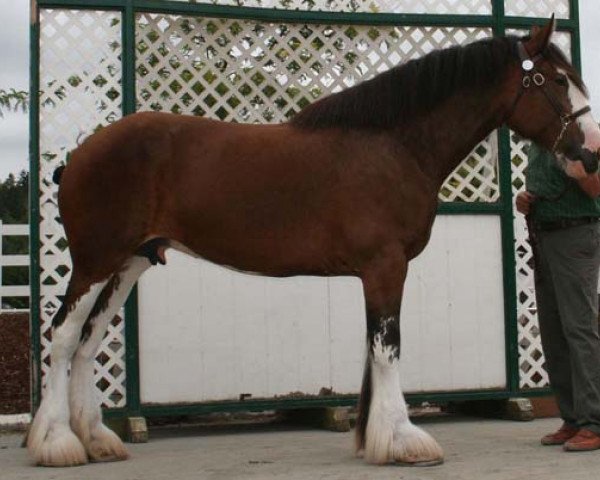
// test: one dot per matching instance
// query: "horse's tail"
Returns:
(56, 176)
(58, 172)
(364, 405)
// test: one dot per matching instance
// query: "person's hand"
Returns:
(590, 185)
(524, 201)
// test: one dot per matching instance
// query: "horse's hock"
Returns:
(469, 324)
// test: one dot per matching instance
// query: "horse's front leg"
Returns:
(384, 431)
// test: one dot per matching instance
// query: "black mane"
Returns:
(412, 88)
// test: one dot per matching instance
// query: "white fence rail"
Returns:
(12, 260)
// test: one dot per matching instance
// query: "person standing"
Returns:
(563, 219)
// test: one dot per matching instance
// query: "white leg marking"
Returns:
(50, 440)
(101, 443)
(390, 435)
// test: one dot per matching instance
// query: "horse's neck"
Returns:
(442, 139)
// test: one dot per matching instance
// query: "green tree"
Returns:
(13, 100)
(13, 198)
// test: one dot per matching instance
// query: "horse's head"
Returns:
(550, 104)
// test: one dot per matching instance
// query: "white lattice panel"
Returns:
(537, 8)
(476, 179)
(464, 7)
(250, 72)
(531, 359)
(559, 38)
(245, 71)
(80, 82)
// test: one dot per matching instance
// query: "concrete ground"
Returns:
(475, 449)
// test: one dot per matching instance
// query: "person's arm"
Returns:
(524, 201)
(590, 184)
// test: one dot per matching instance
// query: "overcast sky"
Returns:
(14, 73)
(14, 67)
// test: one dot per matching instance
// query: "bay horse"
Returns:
(347, 187)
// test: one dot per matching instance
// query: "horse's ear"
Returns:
(540, 37)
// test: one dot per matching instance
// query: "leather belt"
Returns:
(564, 223)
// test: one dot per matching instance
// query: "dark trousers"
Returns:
(566, 283)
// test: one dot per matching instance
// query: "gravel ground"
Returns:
(475, 449)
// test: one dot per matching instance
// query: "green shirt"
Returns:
(559, 196)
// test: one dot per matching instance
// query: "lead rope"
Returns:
(532, 237)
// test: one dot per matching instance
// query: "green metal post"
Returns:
(132, 366)
(34, 208)
(128, 8)
(508, 247)
(509, 261)
(575, 35)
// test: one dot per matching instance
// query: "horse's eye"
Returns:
(562, 81)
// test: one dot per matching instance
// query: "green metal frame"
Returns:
(497, 21)
(34, 209)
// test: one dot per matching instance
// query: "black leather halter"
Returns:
(534, 78)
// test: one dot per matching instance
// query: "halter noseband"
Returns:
(532, 77)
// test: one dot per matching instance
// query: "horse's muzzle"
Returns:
(589, 160)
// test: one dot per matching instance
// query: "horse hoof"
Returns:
(415, 447)
(405, 445)
(426, 463)
(106, 446)
(59, 447)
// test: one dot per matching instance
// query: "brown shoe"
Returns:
(559, 437)
(582, 442)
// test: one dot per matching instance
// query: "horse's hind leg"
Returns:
(384, 431)
(50, 440)
(101, 443)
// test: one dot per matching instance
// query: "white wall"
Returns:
(207, 333)
(589, 20)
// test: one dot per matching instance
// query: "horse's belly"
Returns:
(273, 252)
